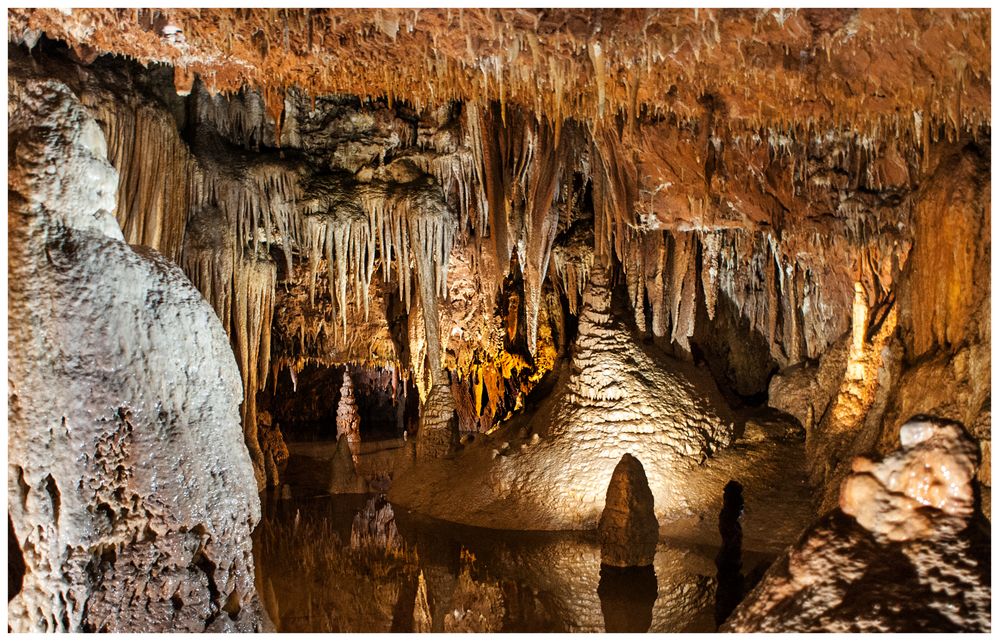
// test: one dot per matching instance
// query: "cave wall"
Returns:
(130, 495)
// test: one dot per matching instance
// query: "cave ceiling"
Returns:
(875, 69)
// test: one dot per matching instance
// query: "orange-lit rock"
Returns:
(903, 536)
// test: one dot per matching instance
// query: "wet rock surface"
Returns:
(888, 560)
(131, 494)
(628, 528)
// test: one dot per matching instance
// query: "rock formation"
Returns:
(894, 555)
(628, 528)
(374, 527)
(422, 619)
(438, 424)
(539, 239)
(615, 400)
(348, 422)
(131, 495)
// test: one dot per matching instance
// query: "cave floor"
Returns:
(311, 580)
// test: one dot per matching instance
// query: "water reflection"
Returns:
(627, 596)
(475, 579)
(729, 559)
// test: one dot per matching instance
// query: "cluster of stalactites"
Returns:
(239, 117)
(156, 171)
(343, 236)
(406, 225)
(209, 259)
(519, 161)
(259, 202)
(796, 301)
(573, 262)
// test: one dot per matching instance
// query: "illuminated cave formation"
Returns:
(499, 320)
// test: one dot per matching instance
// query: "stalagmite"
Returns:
(437, 433)
(126, 457)
(348, 422)
(628, 528)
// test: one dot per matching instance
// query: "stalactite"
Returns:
(572, 262)
(684, 282)
(209, 259)
(258, 196)
(253, 306)
(341, 232)
(710, 243)
(155, 170)
(615, 185)
(541, 222)
(240, 117)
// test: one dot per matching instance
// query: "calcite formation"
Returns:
(616, 400)
(895, 554)
(438, 429)
(628, 528)
(374, 527)
(131, 495)
(348, 422)
(922, 491)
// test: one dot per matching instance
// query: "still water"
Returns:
(473, 579)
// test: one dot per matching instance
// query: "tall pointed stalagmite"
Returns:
(348, 422)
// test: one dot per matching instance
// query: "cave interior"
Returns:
(499, 320)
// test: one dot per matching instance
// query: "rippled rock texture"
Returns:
(131, 494)
(615, 400)
(901, 554)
